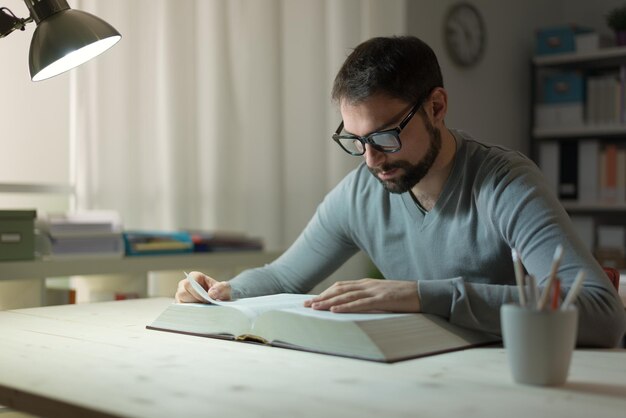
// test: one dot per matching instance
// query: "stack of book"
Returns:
(89, 233)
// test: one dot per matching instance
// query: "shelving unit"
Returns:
(607, 64)
(127, 275)
(606, 131)
(12, 270)
(604, 57)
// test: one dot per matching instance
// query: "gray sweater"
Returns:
(459, 252)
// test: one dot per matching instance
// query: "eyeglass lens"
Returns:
(386, 142)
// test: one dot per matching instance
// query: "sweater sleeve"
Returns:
(529, 217)
(323, 246)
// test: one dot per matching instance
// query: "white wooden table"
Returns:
(99, 360)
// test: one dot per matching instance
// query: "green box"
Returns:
(17, 234)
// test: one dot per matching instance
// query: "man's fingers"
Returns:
(338, 288)
(341, 299)
(186, 293)
(220, 291)
(359, 305)
(368, 295)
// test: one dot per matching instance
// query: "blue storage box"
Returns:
(558, 39)
(563, 87)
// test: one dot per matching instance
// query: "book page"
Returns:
(301, 310)
(294, 303)
(253, 307)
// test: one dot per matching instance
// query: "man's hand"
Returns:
(368, 295)
(217, 290)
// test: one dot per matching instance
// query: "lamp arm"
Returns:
(9, 22)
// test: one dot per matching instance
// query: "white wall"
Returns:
(491, 100)
(588, 13)
(34, 119)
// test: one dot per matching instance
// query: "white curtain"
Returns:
(216, 114)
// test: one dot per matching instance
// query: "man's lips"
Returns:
(387, 175)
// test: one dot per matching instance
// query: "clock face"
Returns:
(464, 32)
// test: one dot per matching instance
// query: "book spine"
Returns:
(568, 171)
(549, 164)
(588, 170)
(609, 185)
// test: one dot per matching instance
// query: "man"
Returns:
(436, 211)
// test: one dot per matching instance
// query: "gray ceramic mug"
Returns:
(539, 344)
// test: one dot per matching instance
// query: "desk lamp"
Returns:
(64, 38)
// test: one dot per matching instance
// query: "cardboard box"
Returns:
(17, 234)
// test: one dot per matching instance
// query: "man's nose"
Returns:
(373, 157)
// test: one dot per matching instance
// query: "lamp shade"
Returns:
(67, 39)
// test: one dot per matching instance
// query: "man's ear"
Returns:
(437, 104)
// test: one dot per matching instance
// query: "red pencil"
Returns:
(556, 296)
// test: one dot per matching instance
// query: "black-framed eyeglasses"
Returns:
(387, 140)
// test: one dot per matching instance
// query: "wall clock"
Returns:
(465, 35)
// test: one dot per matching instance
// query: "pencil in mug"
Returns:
(533, 292)
(519, 276)
(556, 295)
(545, 295)
(574, 290)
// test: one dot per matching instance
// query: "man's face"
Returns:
(421, 142)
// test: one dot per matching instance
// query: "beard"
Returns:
(413, 173)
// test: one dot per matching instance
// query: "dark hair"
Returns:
(402, 67)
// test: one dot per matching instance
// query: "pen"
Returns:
(519, 276)
(533, 294)
(557, 293)
(573, 292)
(545, 295)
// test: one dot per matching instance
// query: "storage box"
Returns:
(563, 87)
(558, 39)
(17, 234)
(587, 42)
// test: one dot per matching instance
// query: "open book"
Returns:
(282, 321)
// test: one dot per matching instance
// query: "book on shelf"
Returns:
(157, 242)
(88, 233)
(549, 164)
(89, 245)
(568, 170)
(210, 241)
(604, 103)
(81, 223)
(282, 321)
(588, 170)
(612, 174)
